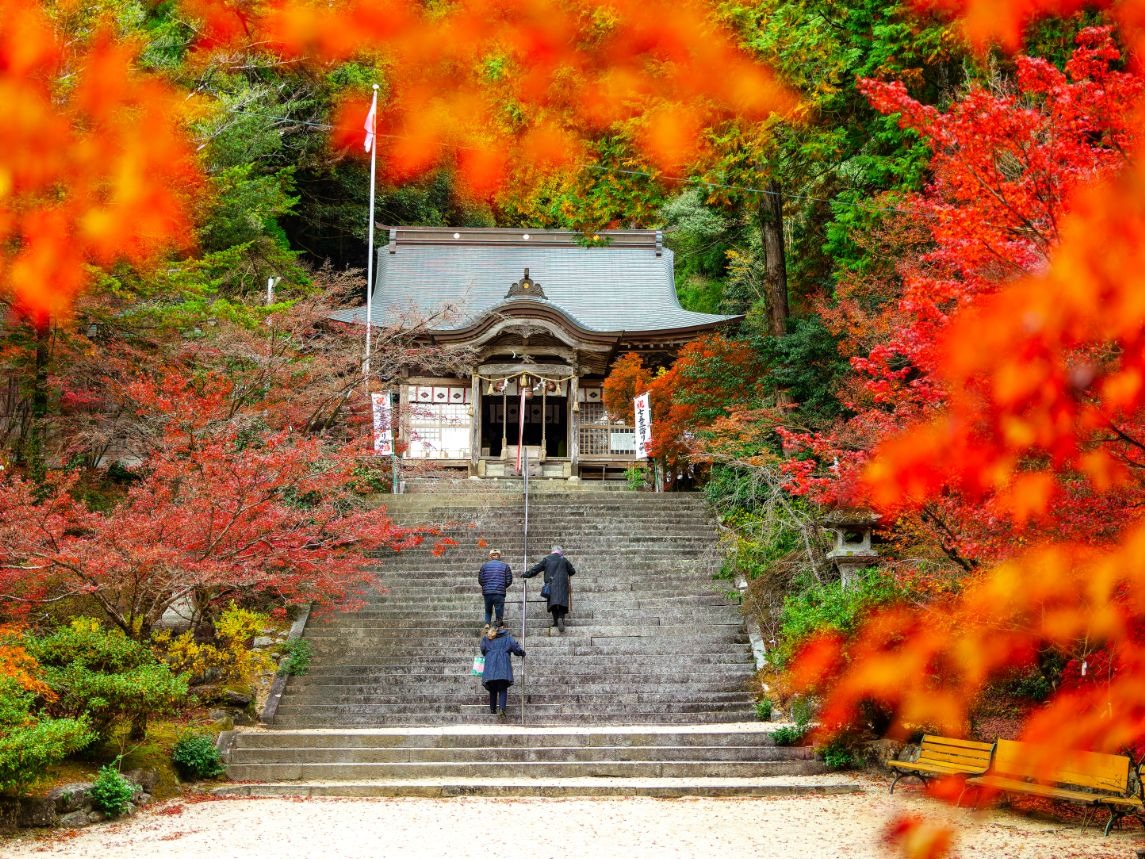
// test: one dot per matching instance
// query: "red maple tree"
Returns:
(1028, 416)
(1007, 169)
(223, 508)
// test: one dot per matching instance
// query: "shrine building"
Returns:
(545, 315)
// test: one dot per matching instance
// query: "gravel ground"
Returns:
(634, 828)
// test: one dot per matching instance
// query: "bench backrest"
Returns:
(1095, 770)
(966, 754)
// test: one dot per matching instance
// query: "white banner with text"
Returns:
(643, 426)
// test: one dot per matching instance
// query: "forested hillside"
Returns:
(928, 214)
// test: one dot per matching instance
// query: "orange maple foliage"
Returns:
(94, 167)
(97, 169)
(20, 666)
(486, 83)
(627, 380)
(919, 839)
(1045, 382)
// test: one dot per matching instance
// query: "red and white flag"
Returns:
(371, 122)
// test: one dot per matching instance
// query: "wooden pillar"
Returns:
(544, 420)
(574, 422)
(505, 424)
(474, 420)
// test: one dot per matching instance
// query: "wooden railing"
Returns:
(616, 440)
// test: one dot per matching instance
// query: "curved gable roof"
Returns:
(626, 285)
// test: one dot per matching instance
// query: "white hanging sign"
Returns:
(643, 426)
(383, 432)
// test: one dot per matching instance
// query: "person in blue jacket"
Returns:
(495, 576)
(496, 645)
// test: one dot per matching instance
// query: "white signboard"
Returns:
(621, 442)
(643, 426)
(383, 433)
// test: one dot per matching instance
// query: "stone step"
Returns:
(600, 701)
(551, 671)
(732, 677)
(524, 769)
(603, 712)
(539, 630)
(664, 788)
(484, 719)
(518, 754)
(746, 734)
(751, 734)
(413, 618)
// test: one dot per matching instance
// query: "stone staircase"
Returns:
(648, 684)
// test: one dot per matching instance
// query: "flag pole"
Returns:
(372, 148)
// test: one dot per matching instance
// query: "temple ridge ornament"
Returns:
(526, 286)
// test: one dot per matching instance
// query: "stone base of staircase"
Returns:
(564, 788)
(697, 760)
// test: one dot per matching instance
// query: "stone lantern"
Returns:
(852, 550)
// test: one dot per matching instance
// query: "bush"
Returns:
(789, 736)
(801, 712)
(112, 793)
(296, 661)
(763, 709)
(230, 659)
(104, 676)
(830, 606)
(31, 742)
(195, 757)
(841, 753)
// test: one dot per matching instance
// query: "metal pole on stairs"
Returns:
(524, 566)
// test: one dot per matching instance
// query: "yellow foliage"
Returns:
(231, 657)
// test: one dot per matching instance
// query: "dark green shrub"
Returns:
(789, 735)
(297, 657)
(830, 606)
(801, 712)
(763, 709)
(105, 676)
(112, 793)
(31, 742)
(842, 753)
(196, 757)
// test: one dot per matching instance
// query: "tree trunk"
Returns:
(33, 454)
(775, 259)
(138, 727)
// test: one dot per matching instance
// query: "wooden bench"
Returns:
(939, 756)
(1092, 779)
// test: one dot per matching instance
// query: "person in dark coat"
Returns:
(557, 570)
(495, 576)
(496, 646)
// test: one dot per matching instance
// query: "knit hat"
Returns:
(557, 550)
(494, 553)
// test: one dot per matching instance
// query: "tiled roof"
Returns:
(625, 286)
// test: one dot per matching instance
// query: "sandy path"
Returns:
(634, 828)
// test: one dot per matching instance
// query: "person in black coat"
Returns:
(497, 677)
(495, 576)
(557, 570)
